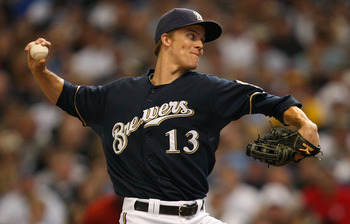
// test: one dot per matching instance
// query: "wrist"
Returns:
(309, 125)
(40, 71)
(296, 117)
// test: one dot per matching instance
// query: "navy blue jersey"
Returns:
(160, 141)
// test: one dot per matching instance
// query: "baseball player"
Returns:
(160, 130)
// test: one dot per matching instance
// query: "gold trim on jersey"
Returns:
(250, 102)
(76, 108)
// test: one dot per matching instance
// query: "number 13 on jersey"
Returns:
(192, 138)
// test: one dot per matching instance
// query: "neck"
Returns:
(166, 72)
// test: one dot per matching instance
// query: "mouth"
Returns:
(197, 54)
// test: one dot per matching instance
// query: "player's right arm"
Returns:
(49, 82)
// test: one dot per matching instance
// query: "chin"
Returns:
(193, 66)
(190, 66)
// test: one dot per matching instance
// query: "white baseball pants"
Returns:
(153, 215)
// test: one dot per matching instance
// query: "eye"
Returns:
(191, 36)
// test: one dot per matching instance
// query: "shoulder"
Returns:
(209, 79)
(116, 86)
(203, 77)
(127, 81)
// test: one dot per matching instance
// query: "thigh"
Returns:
(202, 218)
(211, 220)
(136, 217)
(145, 218)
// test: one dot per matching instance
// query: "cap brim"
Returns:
(212, 29)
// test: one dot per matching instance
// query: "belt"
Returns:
(185, 210)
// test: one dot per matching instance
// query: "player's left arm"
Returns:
(297, 118)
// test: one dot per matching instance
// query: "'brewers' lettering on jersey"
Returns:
(151, 117)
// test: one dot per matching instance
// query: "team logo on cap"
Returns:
(199, 17)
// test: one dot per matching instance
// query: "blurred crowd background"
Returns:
(52, 169)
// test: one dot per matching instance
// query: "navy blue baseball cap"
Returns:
(181, 17)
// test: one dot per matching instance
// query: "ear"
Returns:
(166, 39)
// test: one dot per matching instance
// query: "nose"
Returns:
(199, 45)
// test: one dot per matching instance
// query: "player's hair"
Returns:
(159, 44)
(157, 48)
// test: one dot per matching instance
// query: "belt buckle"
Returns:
(188, 210)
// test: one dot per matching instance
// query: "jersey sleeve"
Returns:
(271, 105)
(84, 102)
(234, 99)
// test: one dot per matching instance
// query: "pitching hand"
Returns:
(37, 65)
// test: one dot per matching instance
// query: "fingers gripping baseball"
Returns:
(37, 54)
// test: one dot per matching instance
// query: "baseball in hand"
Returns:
(38, 51)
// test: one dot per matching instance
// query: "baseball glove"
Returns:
(278, 147)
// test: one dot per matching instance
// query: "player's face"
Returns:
(187, 46)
